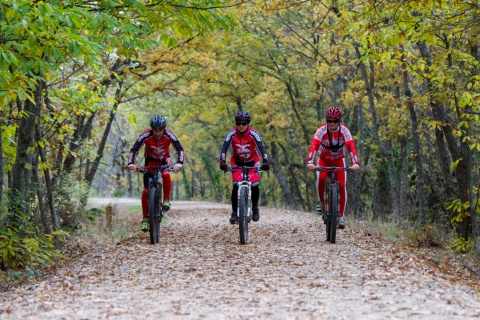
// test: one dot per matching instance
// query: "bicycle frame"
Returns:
(154, 191)
(244, 201)
(332, 200)
(242, 185)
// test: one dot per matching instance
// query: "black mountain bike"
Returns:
(332, 201)
(155, 210)
(244, 204)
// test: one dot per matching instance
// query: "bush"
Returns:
(24, 249)
(68, 196)
(427, 236)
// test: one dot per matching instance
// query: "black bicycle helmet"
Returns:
(158, 122)
(243, 116)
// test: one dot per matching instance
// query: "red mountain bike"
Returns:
(332, 201)
(155, 211)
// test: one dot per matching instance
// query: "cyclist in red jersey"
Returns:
(330, 142)
(157, 140)
(246, 145)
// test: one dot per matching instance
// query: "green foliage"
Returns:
(93, 214)
(68, 197)
(460, 209)
(463, 245)
(24, 249)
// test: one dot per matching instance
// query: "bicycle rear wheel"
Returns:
(243, 216)
(154, 214)
(333, 210)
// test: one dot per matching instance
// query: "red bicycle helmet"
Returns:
(243, 116)
(334, 113)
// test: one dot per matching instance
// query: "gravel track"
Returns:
(287, 271)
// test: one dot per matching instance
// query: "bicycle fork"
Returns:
(328, 200)
(248, 186)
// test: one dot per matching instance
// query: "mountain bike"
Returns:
(155, 210)
(244, 204)
(332, 201)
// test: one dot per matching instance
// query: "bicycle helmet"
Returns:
(158, 122)
(334, 113)
(243, 116)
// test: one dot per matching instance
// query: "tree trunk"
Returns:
(22, 173)
(2, 160)
(404, 183)
(90, 174)
(48, 184)
(287, 195)
(385, 149)
(354, 186)
(81, 134)
(45, 222)
(458, 149)
(420, 185)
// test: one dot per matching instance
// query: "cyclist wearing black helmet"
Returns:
(332, 140)
(246, 145)
(157, 140)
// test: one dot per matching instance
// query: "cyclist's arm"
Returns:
(176, 145)
(311, 154)
(226, 144)
(260, 146)
(136, 147)
(352, 152)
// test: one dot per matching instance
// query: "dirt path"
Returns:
(287, 271)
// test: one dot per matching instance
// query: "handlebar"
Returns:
(232, 168)
(331, 168)
(144, 169)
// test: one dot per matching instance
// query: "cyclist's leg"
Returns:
(234, 198)
(255, 194)
(341, 177)
(144, 225)
(255, 197)
(321, 178)
(167, 187)
(255, 180)
(167, 184)
(145, 202)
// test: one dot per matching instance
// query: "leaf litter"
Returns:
(286, 271)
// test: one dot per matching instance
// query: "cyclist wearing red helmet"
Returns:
(157, 140)
(331, 141)
(246, 145)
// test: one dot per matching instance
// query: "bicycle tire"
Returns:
(333, 209)
(153, 208)
(327, 208)
(243, 215)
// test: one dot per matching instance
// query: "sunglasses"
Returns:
(242, 123)
(332, 121)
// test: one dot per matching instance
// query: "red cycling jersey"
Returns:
(156, 151)
(331, 145)
(246, 147)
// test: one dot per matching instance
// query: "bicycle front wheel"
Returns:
(243, 215)
(154, 214)
(333, 211)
